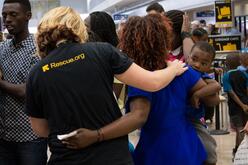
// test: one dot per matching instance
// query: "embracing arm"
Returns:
(139, 110)
(209, 93)
(205, 92)
(40, 126)
(151, 81)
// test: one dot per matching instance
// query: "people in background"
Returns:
(19, 145)
(199, 34)
(203, 24)
(235, 83)
(101, 28)
(176, 18)
(121, 25)
(102, 24)
(155, 8)
(85, 70)
(195, 24)
(212, 30)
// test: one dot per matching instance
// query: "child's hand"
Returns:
(195, 100)
(245, 129)
(245, 108)
(218, 70)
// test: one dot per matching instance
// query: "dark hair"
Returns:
(93, 37)
(202, 21)
(25, 3)
(155, 6)
(146, 40)
(232, 61)
(103, 25)
(206, 47)
(176, 17)
(199, 32)
(244, 59)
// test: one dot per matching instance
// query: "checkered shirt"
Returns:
(15, 63)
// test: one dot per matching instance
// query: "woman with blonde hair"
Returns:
(71, 89)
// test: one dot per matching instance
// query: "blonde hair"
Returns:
(61, 23)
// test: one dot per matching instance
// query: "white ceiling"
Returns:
(113, 6)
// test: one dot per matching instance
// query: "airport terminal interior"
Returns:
(200, 25)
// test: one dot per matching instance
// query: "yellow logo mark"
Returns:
(45, 68)
(62, 63)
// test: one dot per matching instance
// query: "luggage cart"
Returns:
(223, 12)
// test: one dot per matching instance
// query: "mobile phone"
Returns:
(64, 136)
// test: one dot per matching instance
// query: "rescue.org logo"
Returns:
(53, 65)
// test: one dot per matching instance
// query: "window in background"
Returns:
(40, 7)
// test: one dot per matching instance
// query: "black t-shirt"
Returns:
(72, 88)
(238, 81)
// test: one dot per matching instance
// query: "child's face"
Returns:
(200, 60)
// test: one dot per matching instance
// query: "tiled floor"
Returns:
(225, 143)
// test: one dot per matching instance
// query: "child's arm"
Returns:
(213, 86)
(208, 94)
(233, 96)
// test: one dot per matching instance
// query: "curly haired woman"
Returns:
(71, 89)
(167, 137)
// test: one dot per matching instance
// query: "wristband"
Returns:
(100, 135)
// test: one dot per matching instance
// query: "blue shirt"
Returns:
(226, 78)
(168, 137)
(241, 68)
(237, 81)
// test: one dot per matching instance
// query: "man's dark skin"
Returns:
(15, 19)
